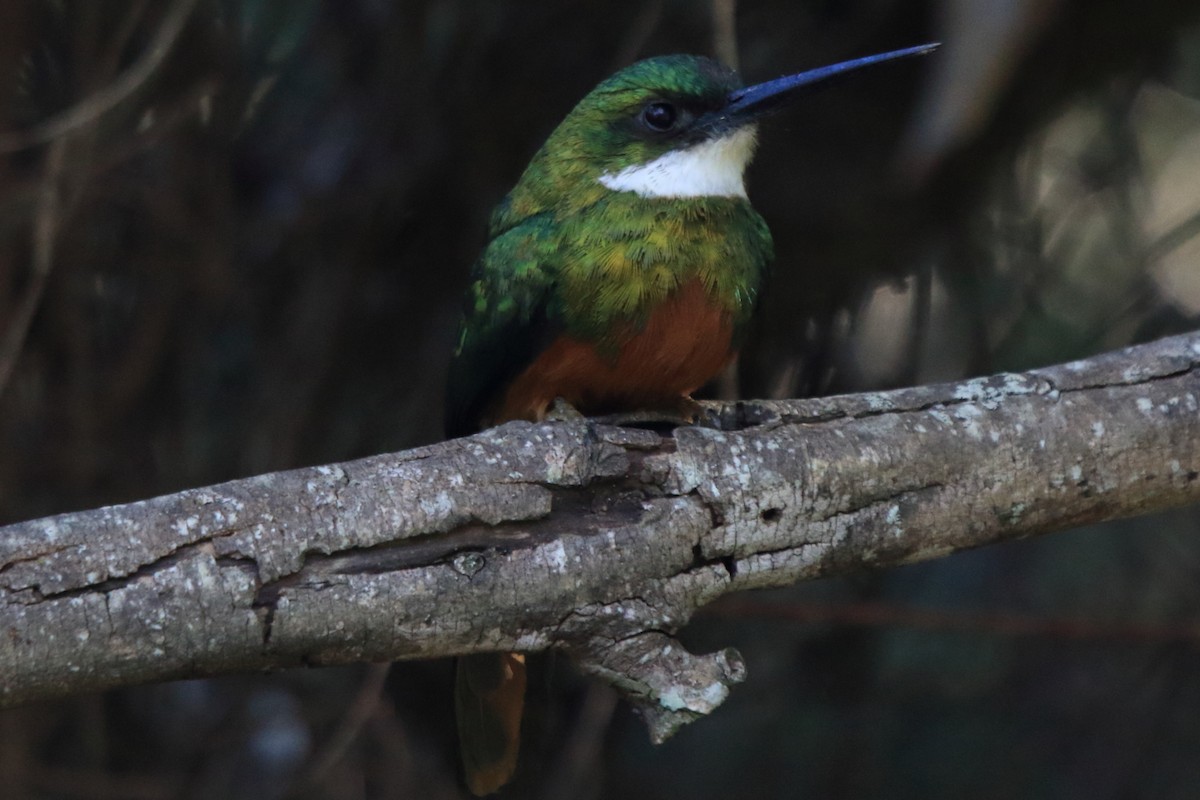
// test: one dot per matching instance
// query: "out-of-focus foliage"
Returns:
(239, 244)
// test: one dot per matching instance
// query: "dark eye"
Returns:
(659, 116)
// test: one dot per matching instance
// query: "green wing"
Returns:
(510, 316)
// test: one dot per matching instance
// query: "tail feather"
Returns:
(489, 697)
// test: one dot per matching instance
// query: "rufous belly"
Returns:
(685, 342)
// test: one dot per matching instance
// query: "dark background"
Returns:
(252, 260)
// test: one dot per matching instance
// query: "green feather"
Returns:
(507, 320)
(568, 255)
(597, 271)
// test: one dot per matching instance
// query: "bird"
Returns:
(619, 276)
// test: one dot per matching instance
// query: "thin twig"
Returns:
(637, 34)
(103, 100)
(578, 763)
(918, 328)
(111, 59)
(724, 14)
(356, 716)
(45, 228)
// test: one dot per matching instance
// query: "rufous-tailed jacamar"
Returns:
(619, 275)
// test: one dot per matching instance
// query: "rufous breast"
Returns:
(683, 344)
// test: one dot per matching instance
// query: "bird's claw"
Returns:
(685, 411)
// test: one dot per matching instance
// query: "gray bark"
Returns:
(594, 539)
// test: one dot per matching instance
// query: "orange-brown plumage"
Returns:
(489, 701)
(684, 343)
(619, 274)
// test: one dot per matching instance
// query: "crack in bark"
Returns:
(117, 582)
(599, 540)
(35, 557)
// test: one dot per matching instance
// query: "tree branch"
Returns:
(597, 540)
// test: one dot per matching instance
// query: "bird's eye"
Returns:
(659, 116)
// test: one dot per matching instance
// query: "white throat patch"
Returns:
(714, 168)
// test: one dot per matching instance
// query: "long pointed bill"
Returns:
(754, 101)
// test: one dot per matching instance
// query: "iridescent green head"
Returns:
(634, 119)
(672, 126)
(671, 104)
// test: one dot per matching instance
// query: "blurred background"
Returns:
(234, 236)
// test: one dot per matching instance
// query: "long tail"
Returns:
(489, 697)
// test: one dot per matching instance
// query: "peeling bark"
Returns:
(598, 540)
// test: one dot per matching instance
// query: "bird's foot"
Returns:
(684, 411)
